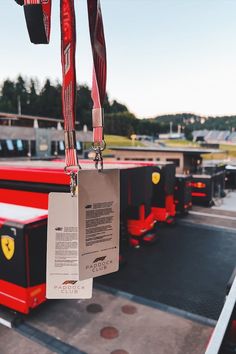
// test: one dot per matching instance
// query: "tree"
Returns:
(122, 123)
(117, 107)
(84, 105)
(21, 94)
(8, 97)
(33, 99)
(50, 100)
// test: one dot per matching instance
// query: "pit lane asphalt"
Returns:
(187, 268)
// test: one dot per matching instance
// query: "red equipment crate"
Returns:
(23, 232)
(137, 204)
(163, 180)
(183, 193)
(30, 186)
(142, 201)
(203, 189)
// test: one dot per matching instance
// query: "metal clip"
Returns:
(73, 183)
(98, 149)
(98, 159)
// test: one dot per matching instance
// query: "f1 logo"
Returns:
(99, 259)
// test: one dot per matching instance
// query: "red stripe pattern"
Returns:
(99, 60)
(46, 7)
(32, 2)
(46, 13)
(68, 43)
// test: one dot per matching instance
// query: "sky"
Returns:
(164, 56)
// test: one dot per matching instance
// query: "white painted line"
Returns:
(213, 215)
(5, 323)
(221, 326)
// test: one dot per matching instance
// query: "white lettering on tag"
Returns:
(99, 219)
(62, 250)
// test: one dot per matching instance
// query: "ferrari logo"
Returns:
(8, 246)
(156, 177)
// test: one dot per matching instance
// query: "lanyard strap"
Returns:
(68, 43)
(99, 70)
(38, 20)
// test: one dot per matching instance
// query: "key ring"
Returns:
(74, 169)
(73, 183)
(98, 160)
(101, 145)
(98, 148)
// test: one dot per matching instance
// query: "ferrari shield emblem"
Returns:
(8, 246)
(156, 177)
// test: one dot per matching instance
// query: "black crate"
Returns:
(183, 193)
(219, 184)
(27, 266)
(133, 212)
(203, 190)
(230, 177)
(165, 186)
(213, 168)
(139, 185)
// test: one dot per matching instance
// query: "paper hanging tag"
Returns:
(62, 250)
(99, 222)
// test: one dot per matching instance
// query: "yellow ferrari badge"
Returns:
(8, 246)
(156, 177)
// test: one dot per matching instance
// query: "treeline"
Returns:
(30, 98)
(192, 122)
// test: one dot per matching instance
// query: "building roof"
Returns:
(217, 135)
(200, 133)
(184, 150)
(232, 137)
(211, 135)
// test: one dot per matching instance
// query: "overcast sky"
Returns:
(164, 56)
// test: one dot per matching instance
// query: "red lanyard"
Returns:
(99, 76)
(38, 11)
(68, 41)
(38, 19)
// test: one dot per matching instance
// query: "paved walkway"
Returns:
(116, 323)
(228, 203)
(222, 215)
(106, 324)
(14, 343)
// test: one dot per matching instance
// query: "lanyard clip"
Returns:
(73, 183)
(73, 178)
(98, 149)
(98, 159)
